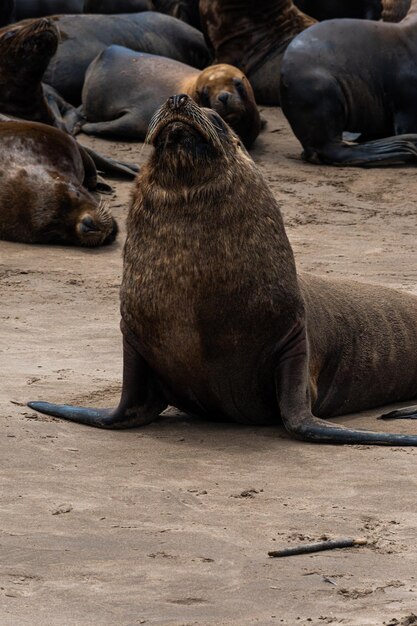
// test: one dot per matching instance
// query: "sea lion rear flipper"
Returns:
(127, 125)
(107, 165)
(391, 150)
(409, 412)
(140, 402)
(292, 385)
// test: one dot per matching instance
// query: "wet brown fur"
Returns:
(42, 194)
(210, 290)
(216, 321)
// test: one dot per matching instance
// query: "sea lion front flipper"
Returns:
(293, 393)
(141, 401)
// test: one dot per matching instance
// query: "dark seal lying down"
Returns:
(215, 320)
(356, 76)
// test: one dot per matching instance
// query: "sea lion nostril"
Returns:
(224, 97)
(178, 101)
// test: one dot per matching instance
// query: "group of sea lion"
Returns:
(215, 319)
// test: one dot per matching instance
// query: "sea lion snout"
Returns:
(178, 101)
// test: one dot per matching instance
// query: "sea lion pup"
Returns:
(253, 36)
(336, 9)
(355, 76)
(214, 318)
(83, 37)
(43, 194)
(123, 89)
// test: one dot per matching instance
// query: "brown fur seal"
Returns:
(253, 36)
(43, 189)
(123, 89)
(214, 318)
(83, 37)
(25, 52)
(354, 76)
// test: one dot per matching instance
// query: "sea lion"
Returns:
(354, 76)
(215, 320)
(336, 9)
(123, 89)
(25, 52)
(43, 192)
(253, 36)
(85, 36)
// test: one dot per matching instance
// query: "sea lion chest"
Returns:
(202, 313)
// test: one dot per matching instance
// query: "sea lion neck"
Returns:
(248, 32)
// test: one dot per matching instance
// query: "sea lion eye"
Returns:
(240, 87)
(204, 97)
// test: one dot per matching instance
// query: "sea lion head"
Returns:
(194, 147)
(27, 47)
(79, 219)
(225, 89)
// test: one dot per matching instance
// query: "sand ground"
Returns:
(171, 524)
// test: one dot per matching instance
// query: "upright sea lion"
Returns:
(336, 9)
(25, 52)
(123, 89)
(83, 37)
(253, 36)
(43, 192)
(215, 320)
(355, 76)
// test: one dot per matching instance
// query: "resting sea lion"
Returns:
(253, 36)
(355, 76)
(43, 192)
(85, 36)
(336, 9)
(123, 89)
(215, 320)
